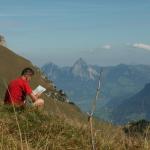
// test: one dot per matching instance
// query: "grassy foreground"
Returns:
(31, 129)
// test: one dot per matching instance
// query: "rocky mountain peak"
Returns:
(80, 62)
(80, 68)
(83, 70)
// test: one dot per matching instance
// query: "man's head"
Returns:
(27, 73)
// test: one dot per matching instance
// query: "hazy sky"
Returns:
(103, 32)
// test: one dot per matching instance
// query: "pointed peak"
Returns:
(80, 62)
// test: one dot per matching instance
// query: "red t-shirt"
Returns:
(17, 91)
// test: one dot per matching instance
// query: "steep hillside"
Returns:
(135, 108)
(11, 66)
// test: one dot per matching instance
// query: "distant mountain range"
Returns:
(80, 82)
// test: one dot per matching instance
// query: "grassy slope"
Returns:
(42, 131)
(10, 67)
(61, 127)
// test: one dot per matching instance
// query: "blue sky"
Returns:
(104, 32)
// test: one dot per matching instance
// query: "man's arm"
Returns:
(33, 97)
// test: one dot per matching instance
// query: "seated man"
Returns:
(19, 88)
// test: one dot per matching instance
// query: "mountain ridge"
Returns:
(134, 108)
(118, 83)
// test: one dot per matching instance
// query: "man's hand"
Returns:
(33, 97)
(38, 95)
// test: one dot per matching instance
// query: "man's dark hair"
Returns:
(27, 71)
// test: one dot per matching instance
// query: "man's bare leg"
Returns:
(39, 103)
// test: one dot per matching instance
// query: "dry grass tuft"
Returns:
(41, 131)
